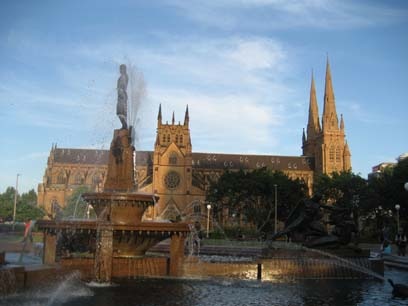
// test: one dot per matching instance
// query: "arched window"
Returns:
(173, 158)
(168, 137)
(96, 179)
(61, 178)
(79, 178)
(197, 208)
(338, 154)
(181, 138)
(164, 138)
(177, 138)
(331, 154)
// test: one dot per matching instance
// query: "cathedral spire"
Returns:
(313, 125)
(159, 116)
(329, 120)
(172, 119)
(186, 117)
(303, 137)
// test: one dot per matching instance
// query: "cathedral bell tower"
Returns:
(327, 144)
(172, 166)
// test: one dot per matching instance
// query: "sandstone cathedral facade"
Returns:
(181, 177)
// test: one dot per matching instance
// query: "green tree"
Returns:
(25, 206)
(29, 198)
(251, 194)
(387, 190)
(76, 206)
(342, 188)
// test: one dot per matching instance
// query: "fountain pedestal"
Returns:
(120, 176)
(103, 253)
(50, 247)
(176, 254)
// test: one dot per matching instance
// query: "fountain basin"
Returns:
(128, 240)
(120, 207)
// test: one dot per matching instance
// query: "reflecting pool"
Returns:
(172, 292)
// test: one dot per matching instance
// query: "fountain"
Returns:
(121, 238)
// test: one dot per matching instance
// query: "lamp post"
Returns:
(15, 202)
(406, 186)
(397, 208)
(208, 219)
(276, 208)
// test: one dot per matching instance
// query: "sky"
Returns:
(243, 67)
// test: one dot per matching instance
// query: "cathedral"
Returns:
(180, 177)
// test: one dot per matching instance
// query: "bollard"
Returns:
(259, 274)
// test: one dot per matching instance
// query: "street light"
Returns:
(15, 202)
(397, 207)
(276, 208)
(406, 186)
(208, 219)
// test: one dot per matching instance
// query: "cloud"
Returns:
(236, 87)
(273, 14)
(258, 54)
(357, 113)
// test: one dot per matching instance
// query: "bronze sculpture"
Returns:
(121, 107)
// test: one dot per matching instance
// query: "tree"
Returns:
(29, 198)
(251, 194)
(341, 188)
(387, 190)
(25, 207)
(76, 205)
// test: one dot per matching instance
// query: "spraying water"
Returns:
(66, 289)
(137, 94)
(342, 262)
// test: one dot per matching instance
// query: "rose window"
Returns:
(172, 180)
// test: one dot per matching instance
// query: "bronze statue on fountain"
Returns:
(305, 225)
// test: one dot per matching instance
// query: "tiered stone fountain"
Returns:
(122, 239)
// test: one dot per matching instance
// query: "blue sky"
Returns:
(243, 67)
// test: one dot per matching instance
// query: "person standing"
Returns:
(27, 231)
(401, 242)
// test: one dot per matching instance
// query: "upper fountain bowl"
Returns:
(125, 208)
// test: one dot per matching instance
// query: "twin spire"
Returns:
(329, 119)
(186, 117)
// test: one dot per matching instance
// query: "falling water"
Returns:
(76, 206)
(137, 93)
(7, 281)
(193, 241)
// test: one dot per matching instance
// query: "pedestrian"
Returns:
(386, 248)
(401, 242)
(27, 231)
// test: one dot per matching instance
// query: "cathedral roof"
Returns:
(199, 160)
(248, 161)
(80, 156)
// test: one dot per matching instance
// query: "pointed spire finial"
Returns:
(172, 119)
(186, 116)
(159, 116)
(303, 136)
(313, 125)
(330, 120)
